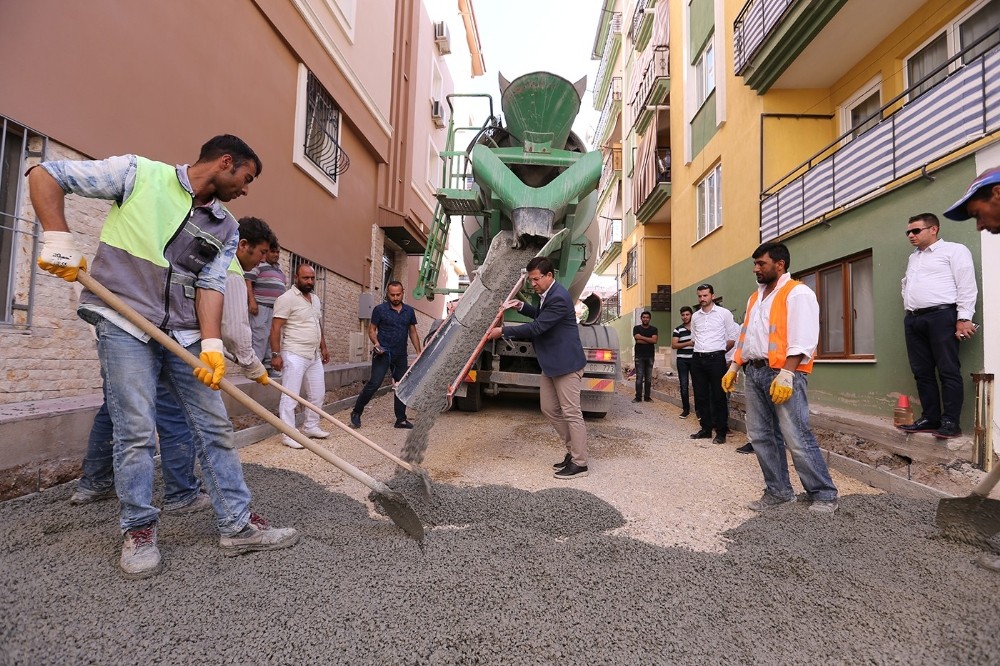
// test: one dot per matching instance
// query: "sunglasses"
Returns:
(914, 232)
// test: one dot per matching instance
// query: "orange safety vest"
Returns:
(777, 335)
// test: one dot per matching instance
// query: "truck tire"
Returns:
(473, 400)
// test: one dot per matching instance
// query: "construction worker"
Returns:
(775, 349)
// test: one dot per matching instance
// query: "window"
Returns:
(317, 133)
(982, 19)
(294, 261)
(433, 166)
(860, 112)
(630, 274)
(846, 308)
(16, 233)
(710, 202)
(705, 73)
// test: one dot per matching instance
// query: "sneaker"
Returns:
(571, 471)
(291, 443)
(200, 502)
(258, 535)
(746, 448)
(355, 420)
(565, 461)
(140, 556)
(81, 496)
(403, 424)
(684, 415)
(316, 433)
(768, 501)
(948, 430)
(824, 506)
(989, 561)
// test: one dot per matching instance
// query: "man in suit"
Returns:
(556, 338)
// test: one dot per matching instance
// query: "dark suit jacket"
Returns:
(554, 333)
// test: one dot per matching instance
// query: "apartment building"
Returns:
(826, 125)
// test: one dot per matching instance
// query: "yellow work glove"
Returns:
(256, 372)
(212, 355)
(729, 379)
(60, 256)
(781, 387)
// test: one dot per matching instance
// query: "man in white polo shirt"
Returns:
(714, 332)
(298, 351)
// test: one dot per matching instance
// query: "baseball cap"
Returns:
(957, 210)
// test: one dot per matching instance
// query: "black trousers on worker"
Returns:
(683, 374)
(932, 348)
(710, 401)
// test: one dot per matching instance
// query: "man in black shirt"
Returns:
(645, 351)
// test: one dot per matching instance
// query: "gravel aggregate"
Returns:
(652, 559)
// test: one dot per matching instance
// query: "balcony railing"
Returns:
(612, 107)
(612, 46)
(961, 109)
(612, 168)
(652, 86)
(651, 183)
(753, 24)
(640, 18)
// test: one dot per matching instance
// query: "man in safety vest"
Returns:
(775, 349)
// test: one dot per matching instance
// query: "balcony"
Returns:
(651, 187)
(609, 57)
(960, 110)
(642, 24)
(609, 116)
(652, 87)
(611, 244)
(612, 171)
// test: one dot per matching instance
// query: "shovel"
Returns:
(358, 436)
(392, 502)
(972, 519)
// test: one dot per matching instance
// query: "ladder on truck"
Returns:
(457, 196)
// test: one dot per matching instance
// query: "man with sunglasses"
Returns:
(939, 295)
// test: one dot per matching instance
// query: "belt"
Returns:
(708, 354)
(933, 308)
(756, 363)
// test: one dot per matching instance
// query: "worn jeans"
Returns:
(381, 364)
(133, 372)
(177, 454)
(773, 428)
(643, 377)
(683, 375)
(300, 373)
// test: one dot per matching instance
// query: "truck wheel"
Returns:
(473, 400)
(594, 415)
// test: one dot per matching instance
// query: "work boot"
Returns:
(824, 506)
(83, 496)
(258, 535)
(200, 502)
(768, 501)
(140, 555)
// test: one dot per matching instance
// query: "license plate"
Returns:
(603, 368)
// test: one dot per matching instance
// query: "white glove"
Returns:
(781, 387)
(257, 372)
(60, 256)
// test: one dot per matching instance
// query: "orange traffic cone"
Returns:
(902, 415)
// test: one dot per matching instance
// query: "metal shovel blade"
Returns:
(972, 519)
(399, 512)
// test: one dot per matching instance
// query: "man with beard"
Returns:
(777, 342)
(298, 351)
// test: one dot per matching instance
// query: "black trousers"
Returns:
(643, 377)
(683, 374)
(932, 348)
(710, 401)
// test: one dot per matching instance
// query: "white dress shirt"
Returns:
(712, 330)
(803, 322)
(941, 274)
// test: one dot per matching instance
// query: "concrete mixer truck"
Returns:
(521, 185)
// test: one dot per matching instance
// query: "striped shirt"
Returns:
(682, 334)
(268, 283)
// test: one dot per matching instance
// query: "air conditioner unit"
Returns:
(442, 38)
(437, 113)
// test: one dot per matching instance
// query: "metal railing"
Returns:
(650, 173)
(610, 111)
(657, 68)
(961, 109)
(614, 32)
(752, 26)
(611, 309)
(612, 164)
(642, 7)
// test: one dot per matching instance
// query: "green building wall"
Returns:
(870, 387)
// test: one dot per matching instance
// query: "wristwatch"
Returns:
(963, 320)
(275, 354)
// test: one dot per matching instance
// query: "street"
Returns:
(651, 559)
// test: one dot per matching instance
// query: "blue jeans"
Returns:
(134, 371)
(381, 364)
(177, 453)
(643, 377)
(773, 428)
